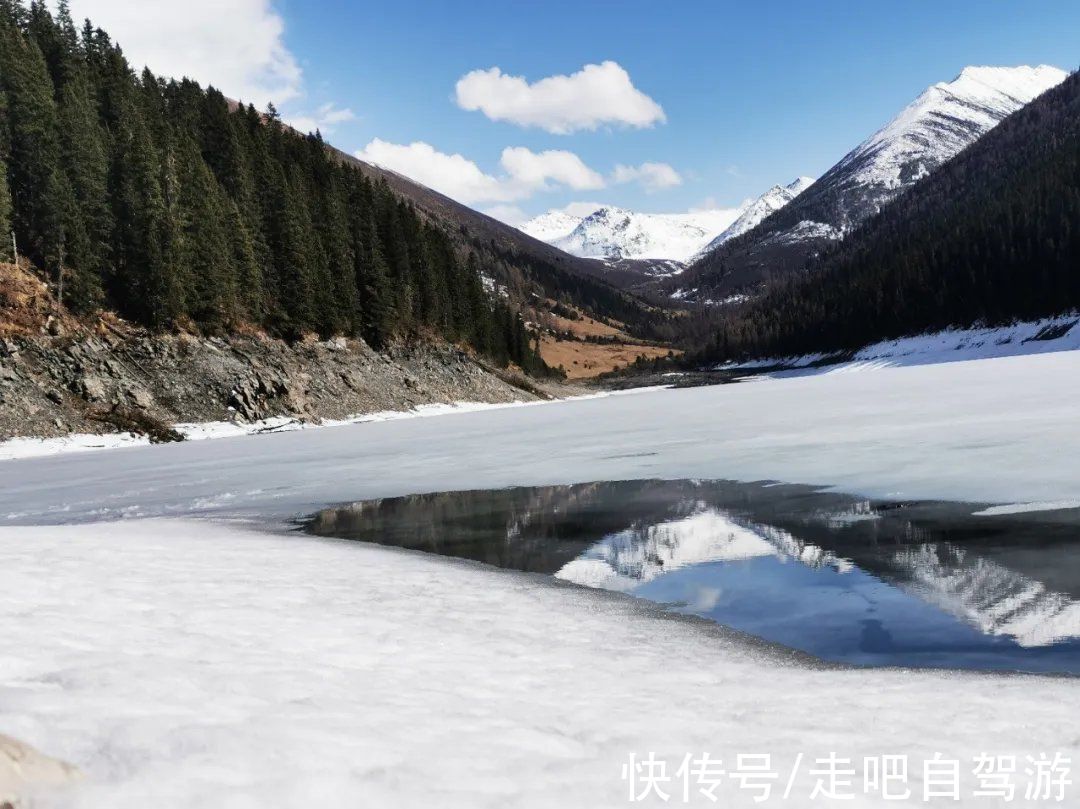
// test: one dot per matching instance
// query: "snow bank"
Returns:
(15, 448)
(78, 442)
(185, 664)
(952, 345)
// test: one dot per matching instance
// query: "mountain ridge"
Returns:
(938, 124)
(985, 239)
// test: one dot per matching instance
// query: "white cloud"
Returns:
(708, 204)
(238, 46)
(525, 172)
(325, 119)
(594, 96)
(534, 169)
(451, 174)
(582, 209)
(651, 176)
(510, 214)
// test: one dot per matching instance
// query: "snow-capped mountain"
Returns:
(552, 226)
(946, 118)
(616, 233)
(942, 121)
(753, 213)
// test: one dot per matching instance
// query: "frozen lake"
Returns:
(997, 431)
(212, 662)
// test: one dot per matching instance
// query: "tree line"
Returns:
(990, 237)
(176, 207)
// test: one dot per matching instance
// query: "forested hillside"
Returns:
(174, 207)
(991, 236)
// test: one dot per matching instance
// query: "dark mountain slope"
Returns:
(991, 236)
(522, 264)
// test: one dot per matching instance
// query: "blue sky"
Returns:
(752, 94)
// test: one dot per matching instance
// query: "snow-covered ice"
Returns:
(991, 431)
(195, 664)
(14, 448)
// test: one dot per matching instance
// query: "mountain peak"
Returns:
(944, 119)
(611, 232)
(1028, 80)
(799, 184)
(756, 211)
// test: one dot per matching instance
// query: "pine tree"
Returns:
(204, 250)
(39, 195)
(145, 283)
(172, 207)
(88, 221)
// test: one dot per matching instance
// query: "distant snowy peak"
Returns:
(551, 226)
(616, 233)
(755, 212)
(798, 185)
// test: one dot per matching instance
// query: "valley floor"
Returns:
(214, 663)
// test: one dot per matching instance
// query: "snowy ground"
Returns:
(194, 664)
(203, 664)
(14, 448)
(1045, 336)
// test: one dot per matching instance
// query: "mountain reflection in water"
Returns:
(870, 583)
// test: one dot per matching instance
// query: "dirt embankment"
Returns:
(60, 375)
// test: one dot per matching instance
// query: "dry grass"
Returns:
(25, 302)
(582, 360)
(586, 327)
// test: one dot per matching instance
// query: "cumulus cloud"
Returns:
(325, 119)
(582, 209)
(535, 169)
(237, 46)
(594, 96)
(451, 174)
(524, 172)
(708, 204)
(510, 214)
(651, 176)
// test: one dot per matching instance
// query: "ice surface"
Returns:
(991, 431)
(79, 442)
(188, 664)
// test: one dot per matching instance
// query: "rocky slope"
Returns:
(945, 119)
(59, 375)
